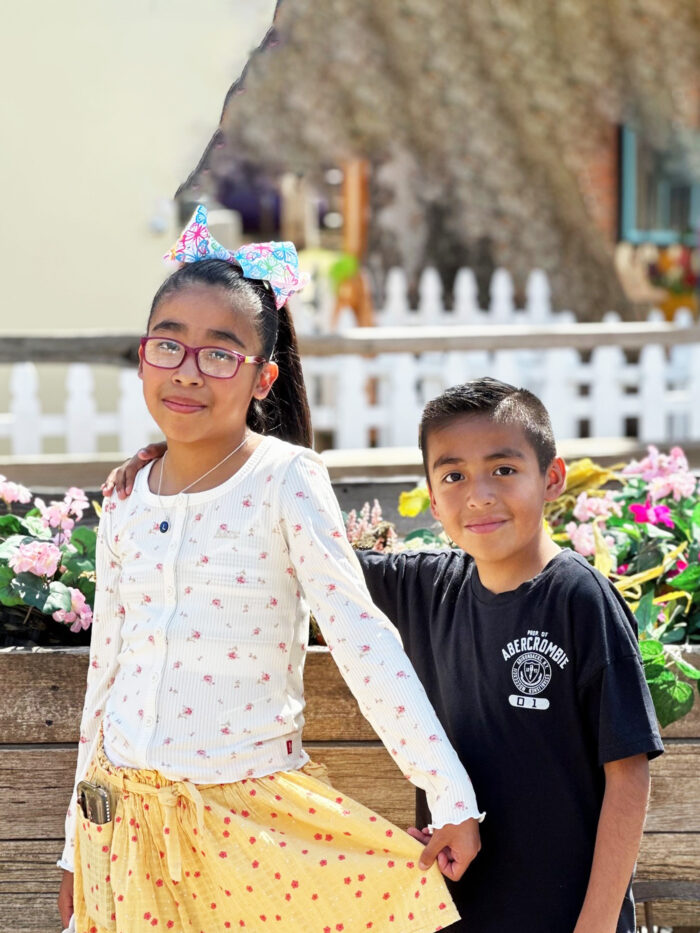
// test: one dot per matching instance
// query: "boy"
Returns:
(530, 660)
(529, 657)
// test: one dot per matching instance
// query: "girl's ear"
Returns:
(555, 479)
(266, 379)
(140, 369)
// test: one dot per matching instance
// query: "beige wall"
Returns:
(106, 107)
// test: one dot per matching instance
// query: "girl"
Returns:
(214, 817)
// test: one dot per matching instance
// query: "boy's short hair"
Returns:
(497, 401)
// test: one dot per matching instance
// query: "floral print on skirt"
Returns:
(286, 852)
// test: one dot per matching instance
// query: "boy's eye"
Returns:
(453, 477)
(504, 471)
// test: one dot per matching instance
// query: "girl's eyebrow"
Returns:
(225, 335)
(169, 325)
(178, 328)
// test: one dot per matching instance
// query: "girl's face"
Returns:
(188, 406)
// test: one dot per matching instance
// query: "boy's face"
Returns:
(487, 489)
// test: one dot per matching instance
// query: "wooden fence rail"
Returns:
(120, 349)
(367, 386)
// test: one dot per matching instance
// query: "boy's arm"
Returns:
(383, 573)
(617, 843)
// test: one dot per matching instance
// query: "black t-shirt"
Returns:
(536, 688)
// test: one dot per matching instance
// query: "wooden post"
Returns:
(354, 293)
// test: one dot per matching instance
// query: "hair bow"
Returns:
(276, 263)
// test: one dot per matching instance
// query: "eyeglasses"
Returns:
(166, 353)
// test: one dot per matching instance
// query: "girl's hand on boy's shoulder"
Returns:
(121, 479)
(454, 846)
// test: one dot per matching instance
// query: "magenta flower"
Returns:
(679, 567)
(652, 514)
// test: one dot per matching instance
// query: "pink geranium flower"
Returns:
(38, 557)
(583, 540)
(60, 516)
(652, 514)
(13, 492)
(666, 474)
(79, 614)
(656, 464)
(588, 507)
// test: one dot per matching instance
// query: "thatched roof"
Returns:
(481, 118)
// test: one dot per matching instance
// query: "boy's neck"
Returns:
(504, 576)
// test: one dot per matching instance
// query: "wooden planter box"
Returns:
(42, 696)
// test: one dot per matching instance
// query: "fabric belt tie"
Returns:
(168, 798)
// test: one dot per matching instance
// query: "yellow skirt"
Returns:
(285, 852)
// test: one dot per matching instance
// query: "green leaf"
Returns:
(682, 524)
(695, 522)
(85, 540)
(11, 525)
(10, 545)
(7, 596)
(650, 649)
(424, 537)
(649, 555)
(653, 670)
(646, 612)
(689, 579)
(685, 668)
(672, 698)
(653, 657)
(36, 527)
(673, 636)
(34, 591)
(76, 564)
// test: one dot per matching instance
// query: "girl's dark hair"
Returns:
(498, 401)
(284, 413)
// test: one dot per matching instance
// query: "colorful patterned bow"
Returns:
(276, 263)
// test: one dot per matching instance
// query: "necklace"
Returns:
(165, 524)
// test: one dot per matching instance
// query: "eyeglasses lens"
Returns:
(212, 361)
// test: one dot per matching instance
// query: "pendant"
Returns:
(164, 526)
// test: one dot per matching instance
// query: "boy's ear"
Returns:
(433, 504)
(266, 379)
(555, 480)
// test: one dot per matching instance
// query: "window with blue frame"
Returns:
(659, 199)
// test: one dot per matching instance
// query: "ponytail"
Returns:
(284, 412)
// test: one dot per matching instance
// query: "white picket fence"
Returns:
(364, 401)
